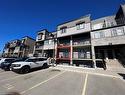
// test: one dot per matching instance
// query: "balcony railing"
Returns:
(82, 54)
(39, 47)
(108, 24)
(108, 33)
(80, 42)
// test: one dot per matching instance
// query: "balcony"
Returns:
(39, 47)
(48, 47)
(108, 24)
(17, 50)
(13, 44)
(74, 30)
(81, 53)
(6, 50)
(111, 36)
(80, 42)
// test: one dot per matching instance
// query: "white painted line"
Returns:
(85, 85)
(8, 86)
(112, 76)
(42, 82)
(18, 76)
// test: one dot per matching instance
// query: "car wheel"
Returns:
(25, 69)
(45, 65)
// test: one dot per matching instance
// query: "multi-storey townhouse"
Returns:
(45, 43)
(19, 48)
(108, 40)
(82, 42)
(73, 42)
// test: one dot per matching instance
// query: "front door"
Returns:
(110, 54)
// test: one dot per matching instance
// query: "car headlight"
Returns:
(16, 65)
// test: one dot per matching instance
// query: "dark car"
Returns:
(7, 64)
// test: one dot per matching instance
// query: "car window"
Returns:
(9, 60)
(42, 59)
(31, 60)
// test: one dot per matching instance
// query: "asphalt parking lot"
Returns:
(59, 82)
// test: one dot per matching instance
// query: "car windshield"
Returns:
(30, 60)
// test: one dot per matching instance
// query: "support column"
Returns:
(55, 48)
(93, 56)
(71, 51)
(113, 53)
(106, 54)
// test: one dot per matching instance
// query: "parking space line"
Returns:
(99, 74)
(18, 76)
(42, 82)
(85, 85)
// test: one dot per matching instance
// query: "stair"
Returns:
(113, 64)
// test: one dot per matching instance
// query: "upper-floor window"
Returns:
(117, 31)
(97, 26)
(23, 41)
(40, 36)
(46, 42)
(80, 25)
(63, 30)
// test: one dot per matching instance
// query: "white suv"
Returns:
(30, 63)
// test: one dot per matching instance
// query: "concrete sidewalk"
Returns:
(117, 73)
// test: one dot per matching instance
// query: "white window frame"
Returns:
(63, 30)
(80, 25)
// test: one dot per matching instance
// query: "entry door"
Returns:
(102, 54)
(110, 54)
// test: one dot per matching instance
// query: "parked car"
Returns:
(7, 64)
(30, 63)
(5, 59)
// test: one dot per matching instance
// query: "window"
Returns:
(41, 59)
(102, 34)
(107, 33)
(40, 36)
(97, 35)
(31, 60)
(80, 25)
(23, 41)
(120, 31)
(46, 42)
(97, 26)
(51, 42)
(114, 32)
(63, 30)
(9, 60)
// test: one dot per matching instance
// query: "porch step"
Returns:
(113, 64)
